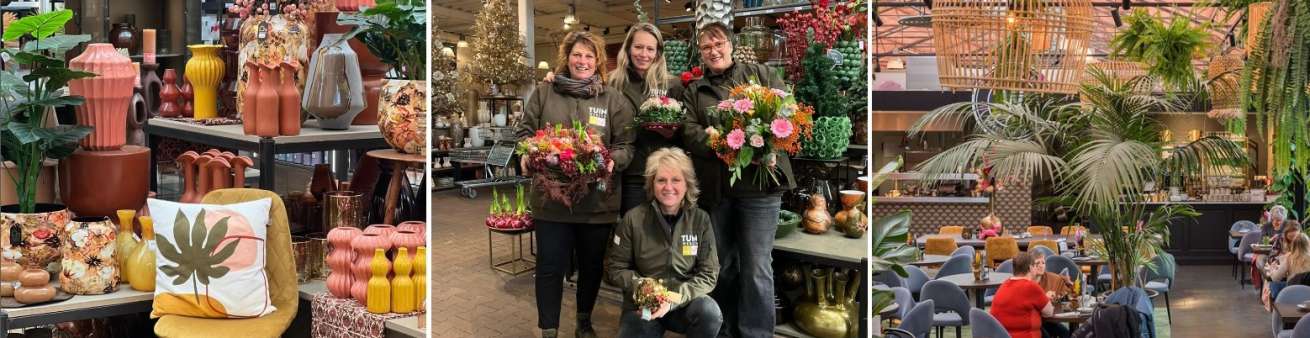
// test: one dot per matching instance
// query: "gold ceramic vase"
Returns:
(205, 70)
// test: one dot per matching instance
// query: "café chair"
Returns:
(280, 268)
(952, 305)
(1293, 294)
(956, 265)
(918, 322)
(985, 326)
(966, 250)
(1039, 230)
(939, 245)
(1000, 249)
(1301, 330)
(951, 230)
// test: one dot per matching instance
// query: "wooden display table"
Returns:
(399, 163)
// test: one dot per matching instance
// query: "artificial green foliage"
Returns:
(1168, 49)
(196, 252)
(851, 70)
(394, 33)
(1284, 185)
(677, 54)
(832, 134)
(1274, 85)
(1097, 155)
(820, 87)
(27, 95)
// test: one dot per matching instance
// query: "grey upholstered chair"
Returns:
(952, 305)
(963, 250)
(889, 278)
(1044, 250)
(1243, 226)
(1007, 267)
(956, 265)
(1292, 294)
(919, 320)
(916, 279)
(1245, 256)
(985, 326)
(1160, 279)
(1301, 330)
(904, 300)
(1058, 264)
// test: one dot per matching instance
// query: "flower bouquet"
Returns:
(565, 161)
(649, 294)
(506, 216)
(754, 123)
(661, 115)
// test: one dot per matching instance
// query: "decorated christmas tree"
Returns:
(497, 46)
(444, 98)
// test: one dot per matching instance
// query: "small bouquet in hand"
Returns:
(661, 115)
(650, 294)
(566, 161)
(754, 123)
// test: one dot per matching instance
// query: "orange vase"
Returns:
(289, 96)
(168, 95)
(107, 95)
(248, 108)
(266, 103)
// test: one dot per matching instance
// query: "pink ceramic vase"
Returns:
(341, 260)
(107, 95)
(380, 229)
(407, 239)
(415, 226)
(364, 246)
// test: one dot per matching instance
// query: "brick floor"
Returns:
(469, 299)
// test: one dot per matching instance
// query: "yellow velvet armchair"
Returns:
(951, 230)
(1038, 230)
(281, 269)
(1000, 249)
(939, 245)
(1048, 243)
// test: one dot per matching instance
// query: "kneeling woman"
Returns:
(668, 238)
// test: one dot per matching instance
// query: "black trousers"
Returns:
(557, 243)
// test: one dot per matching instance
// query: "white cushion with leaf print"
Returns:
(209, 259)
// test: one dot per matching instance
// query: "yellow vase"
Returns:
(125, 242)
(205, 70)
(142, 261)
(379, 288)
(402, 286)
(421, 278)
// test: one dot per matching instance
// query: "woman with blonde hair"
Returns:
(1295, 260)
(667, 238)
(577, 94)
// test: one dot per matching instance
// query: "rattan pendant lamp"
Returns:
(1032, 46)
(1224, 75)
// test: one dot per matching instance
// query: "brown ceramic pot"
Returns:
(288, 97)
(151, 87)
(35, 287)
(97, 183)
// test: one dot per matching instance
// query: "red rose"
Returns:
(566, 155)
(686, 78)
(695, 71)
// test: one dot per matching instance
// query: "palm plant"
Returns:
(889, 237)
(1098, 155)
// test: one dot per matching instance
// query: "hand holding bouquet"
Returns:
(653, 298)
(755, 122)
(565, 161)
(661, 115)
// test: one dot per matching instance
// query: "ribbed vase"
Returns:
(341, 259)
(107, 95)
(364, 246)
(205, 71)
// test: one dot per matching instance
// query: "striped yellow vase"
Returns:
(402, 286)
(205, 70)
(379, 288)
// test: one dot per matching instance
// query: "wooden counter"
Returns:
(1204, 239)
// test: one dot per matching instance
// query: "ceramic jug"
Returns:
(143, 260)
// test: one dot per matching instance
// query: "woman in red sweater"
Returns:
(1020, 303)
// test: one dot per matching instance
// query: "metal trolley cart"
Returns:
(497, 155)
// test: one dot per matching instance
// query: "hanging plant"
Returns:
(1168, 49)
(1274, 85)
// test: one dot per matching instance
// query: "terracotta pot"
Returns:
(816, 220)
(403, 114)
(107, 95)
(340, 260)
(88, 260)
(169, 94)
(344, 209)
(45, 182)
(8, 274)
(98, 183)
(35, 287)
(249, 110)
(204, 71)
(334, 91)
(283, 40)
(266, 103)
(38, 234)
(151, 87)
(185, 94)
(409, 240)
(415, 226)
(381, 229)
(187, 163)
(364, 246)
(289, 98)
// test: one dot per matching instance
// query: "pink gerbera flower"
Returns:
(736, 139)
(743, 105)
(781, 128)
(725, 105)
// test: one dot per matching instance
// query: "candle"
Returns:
(136, 69)
(148, 46)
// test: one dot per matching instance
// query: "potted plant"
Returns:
(391, 32)
(1167, 48)
(890, 237)
(31, 90)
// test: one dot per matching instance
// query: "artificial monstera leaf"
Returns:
(194, 251)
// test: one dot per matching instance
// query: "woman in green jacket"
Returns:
(667, 238)
(577, 94)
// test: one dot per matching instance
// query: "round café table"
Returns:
(931, 260)
(1073, 318)
(966, 281)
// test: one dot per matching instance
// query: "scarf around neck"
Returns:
(586, 88)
